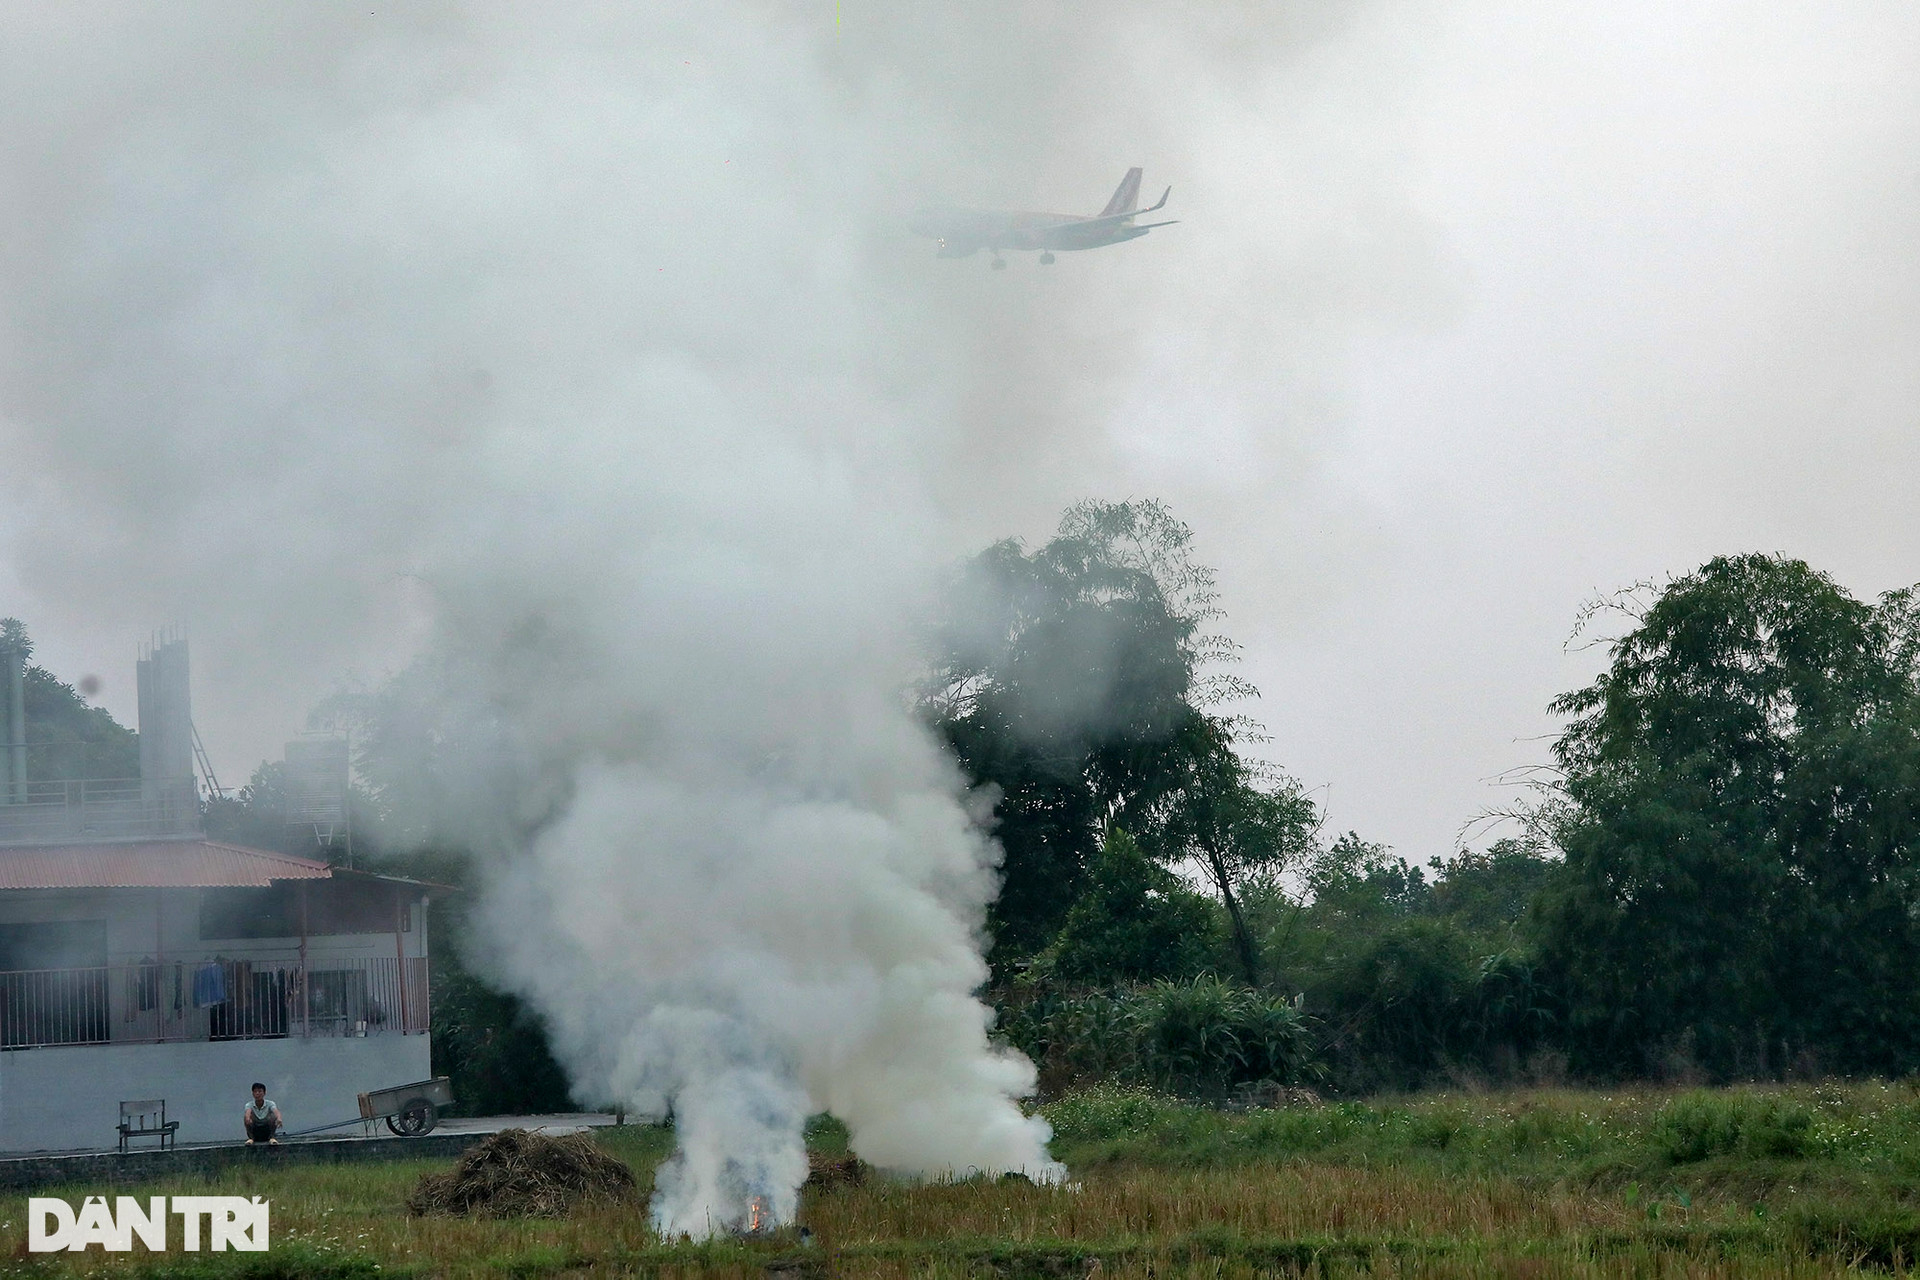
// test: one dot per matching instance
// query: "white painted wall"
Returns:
(68, 1098)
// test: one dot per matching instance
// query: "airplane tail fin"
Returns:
(1126, 198)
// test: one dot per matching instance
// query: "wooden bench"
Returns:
(146, 1118)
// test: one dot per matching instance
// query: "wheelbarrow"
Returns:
(409, 1109)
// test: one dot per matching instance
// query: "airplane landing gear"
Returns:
(1046, 259)
(999, 264)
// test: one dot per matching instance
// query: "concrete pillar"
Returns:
(166, 722)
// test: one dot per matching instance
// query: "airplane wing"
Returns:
(1122, 217)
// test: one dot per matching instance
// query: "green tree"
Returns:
(1233, 822)
(1134, 921)
(1740, 824)
(66, 738)
(1413, 979)
(1076, 683)
(1489, 892)
(493, 1048)
(1363, 881)
(1062, 680)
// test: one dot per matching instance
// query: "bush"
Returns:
(1700, 1125)
(1106, 1113)
(1206, 1036)
(1201, 1038)
(1134, 922)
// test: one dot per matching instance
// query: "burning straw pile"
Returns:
(517, 1174)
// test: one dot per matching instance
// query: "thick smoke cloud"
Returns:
(585, 352)
(1473, 310)
(292, 297)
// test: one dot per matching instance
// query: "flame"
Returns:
(756, 1207)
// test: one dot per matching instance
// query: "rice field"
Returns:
(1807, 1181)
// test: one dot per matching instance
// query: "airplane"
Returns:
(965, 232)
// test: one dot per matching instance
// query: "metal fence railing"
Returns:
(54, 1006)
(217, 999)
(83, 809)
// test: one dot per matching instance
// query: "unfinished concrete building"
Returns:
(141, 960)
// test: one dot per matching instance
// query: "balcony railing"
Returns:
(150, 1002)
(75, 809)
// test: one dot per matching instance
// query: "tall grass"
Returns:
(1201, 1038)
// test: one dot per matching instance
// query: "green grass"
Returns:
(1797, 1182)
(1866, 1129)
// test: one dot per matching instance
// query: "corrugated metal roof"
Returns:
(157, 864)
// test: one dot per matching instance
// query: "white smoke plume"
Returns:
(754, 891)
(752, 948)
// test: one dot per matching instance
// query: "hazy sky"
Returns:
(1473, 310)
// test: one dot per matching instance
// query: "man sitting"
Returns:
(262, 1117)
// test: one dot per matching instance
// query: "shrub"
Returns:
(1207, 1036)
(1201, 1038)
(1700, 1125)
(1133, 922)
(1105, 1113)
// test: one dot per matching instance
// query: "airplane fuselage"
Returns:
(962, 233)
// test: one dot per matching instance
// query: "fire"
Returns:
(757, 1215)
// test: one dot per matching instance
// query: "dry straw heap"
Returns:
(517, 1174)
(825, 1172)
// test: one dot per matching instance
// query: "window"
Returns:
(53, 983)
(248, 913)
(53, 944)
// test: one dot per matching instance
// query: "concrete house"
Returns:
(139, 959)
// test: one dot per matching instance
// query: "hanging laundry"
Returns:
(209, 985)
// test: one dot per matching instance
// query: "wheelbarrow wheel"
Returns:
(415, 1117)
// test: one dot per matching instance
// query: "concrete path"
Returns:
(562, 1122)
(363, 1131)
